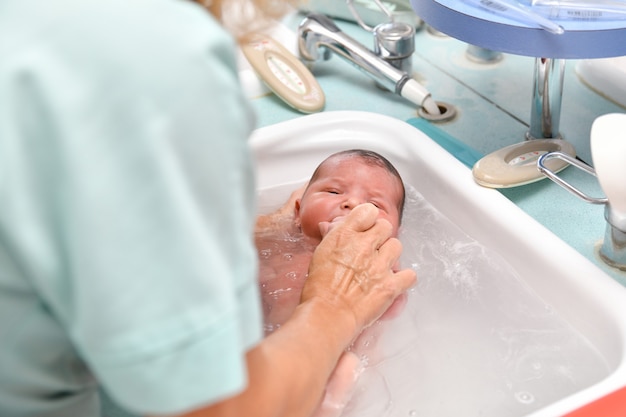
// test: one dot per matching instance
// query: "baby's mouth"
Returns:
(326, 227)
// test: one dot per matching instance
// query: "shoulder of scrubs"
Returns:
(127, 198)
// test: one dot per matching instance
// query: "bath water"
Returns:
(473, 338)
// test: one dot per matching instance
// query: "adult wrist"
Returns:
(337, 323)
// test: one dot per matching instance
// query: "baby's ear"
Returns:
(296, 211)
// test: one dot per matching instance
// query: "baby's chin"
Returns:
(326, 227)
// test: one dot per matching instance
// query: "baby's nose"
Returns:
(351, 202)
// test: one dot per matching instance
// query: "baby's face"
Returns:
(342, 184)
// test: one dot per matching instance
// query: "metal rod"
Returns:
(541, 165)
(545, 113)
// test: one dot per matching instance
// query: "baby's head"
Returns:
(345, 180)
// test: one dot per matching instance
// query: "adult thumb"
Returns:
(363, 217)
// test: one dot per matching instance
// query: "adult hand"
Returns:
(352, 268)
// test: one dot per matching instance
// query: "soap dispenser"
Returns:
(608, 151)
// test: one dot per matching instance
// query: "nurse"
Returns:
(127, 261)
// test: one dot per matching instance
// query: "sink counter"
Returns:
(493, 103)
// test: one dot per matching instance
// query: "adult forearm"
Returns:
(299, 358)
(289, 369)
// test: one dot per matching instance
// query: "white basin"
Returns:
(606, 76)
(506, 319)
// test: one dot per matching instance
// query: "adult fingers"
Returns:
(404, 279)
(390, 249)
(361, 218)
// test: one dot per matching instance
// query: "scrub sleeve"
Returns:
(126, 208)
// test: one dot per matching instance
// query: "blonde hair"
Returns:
(242, 17)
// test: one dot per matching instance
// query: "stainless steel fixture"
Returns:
(318, 36)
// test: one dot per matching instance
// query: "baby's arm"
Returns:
(280, 278)
(281, 219)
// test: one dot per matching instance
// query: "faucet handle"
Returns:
(608, 151)
(360, 21)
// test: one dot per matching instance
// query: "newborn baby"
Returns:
(286, 239)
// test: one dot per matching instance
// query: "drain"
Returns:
(448, 111)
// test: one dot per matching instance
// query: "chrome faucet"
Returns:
(318, 36)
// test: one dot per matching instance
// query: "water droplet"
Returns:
(525, 397)
(412, 413)
(279, 292)
(364, 360)
(270, 327)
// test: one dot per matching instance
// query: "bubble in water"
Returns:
(292, 275)
(287, 256)
(525, 397)
(412, 413)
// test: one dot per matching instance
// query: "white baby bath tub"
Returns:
(513, 323)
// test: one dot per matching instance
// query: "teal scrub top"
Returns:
(127, 260)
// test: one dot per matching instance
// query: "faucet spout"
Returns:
(317, 31)
(318, 36)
